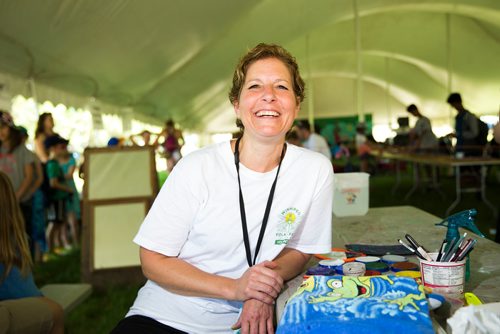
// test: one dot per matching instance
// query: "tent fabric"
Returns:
(174, 59)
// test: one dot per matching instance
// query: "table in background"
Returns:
(383, 226)
(435, 161)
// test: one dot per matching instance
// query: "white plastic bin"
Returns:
(351, 194)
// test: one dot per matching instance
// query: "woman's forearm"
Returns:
(180, 277)
(291, 262)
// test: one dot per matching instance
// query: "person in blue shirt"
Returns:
(23, 308)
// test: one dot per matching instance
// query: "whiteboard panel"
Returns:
(119, 174)
(115, 226)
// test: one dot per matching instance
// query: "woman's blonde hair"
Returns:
(14, 249)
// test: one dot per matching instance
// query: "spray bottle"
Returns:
(464, 219)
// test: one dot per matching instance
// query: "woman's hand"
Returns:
(256, 317)
(259, 282)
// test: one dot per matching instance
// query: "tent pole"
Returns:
(359, 64)
(448, 62)
(32, 89)
(310, 93)
(387, 91)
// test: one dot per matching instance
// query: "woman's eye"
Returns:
(282, 87)
(253, 86)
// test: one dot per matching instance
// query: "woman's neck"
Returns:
(259, 156)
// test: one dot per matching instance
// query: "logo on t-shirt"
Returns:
(290, 219)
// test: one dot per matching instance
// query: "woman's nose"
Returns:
(269, 94)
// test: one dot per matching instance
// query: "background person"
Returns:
(311, 140)
(362, 147)
(201, 272)
(422, 139)
(20, 300)
(17, 162)
(145, 139)
(466, 126)
(60, 192)
(72, 205)
(44, 129)
(38, 205)
(172, 144)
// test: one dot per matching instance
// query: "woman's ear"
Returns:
(236, 106)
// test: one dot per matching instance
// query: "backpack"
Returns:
(482, 136)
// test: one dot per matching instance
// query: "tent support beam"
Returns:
(310, 93)
(449, 67)
(359, 64)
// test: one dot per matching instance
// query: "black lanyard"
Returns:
(242, 206)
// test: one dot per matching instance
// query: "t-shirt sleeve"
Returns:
(166, 226)
(28, 157)
(314, 234)
(52, 169)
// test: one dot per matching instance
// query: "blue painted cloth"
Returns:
(15, 285)
(342, 304)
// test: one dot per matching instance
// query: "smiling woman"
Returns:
(203, 276)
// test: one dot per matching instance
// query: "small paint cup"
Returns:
(353, 269)
(372, 273)
(367, 259)
(320, 270)
(377, 266)
(404, 266)
(331, 263)
(390, 259)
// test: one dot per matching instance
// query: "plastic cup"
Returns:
(447, 278)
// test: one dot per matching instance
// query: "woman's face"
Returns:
(267, 105)
(4, 132)
(48, 123)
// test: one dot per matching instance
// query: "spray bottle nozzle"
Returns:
(464, 219)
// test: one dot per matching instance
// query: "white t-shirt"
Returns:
(423, 130)
(196, 217)
(319, 144)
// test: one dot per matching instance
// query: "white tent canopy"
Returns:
(174, 59)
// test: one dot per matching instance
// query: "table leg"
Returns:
(435, 182)
(398, 179)
(416, 181)
(483, 193)
(458, 191)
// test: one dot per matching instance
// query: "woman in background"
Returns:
(22, 305)
(44, 129)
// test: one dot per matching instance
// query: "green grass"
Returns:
(104, 308)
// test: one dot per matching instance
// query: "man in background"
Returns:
(466, 126)
(311, 140)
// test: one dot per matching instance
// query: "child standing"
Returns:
(68, 165)
(59, 193)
